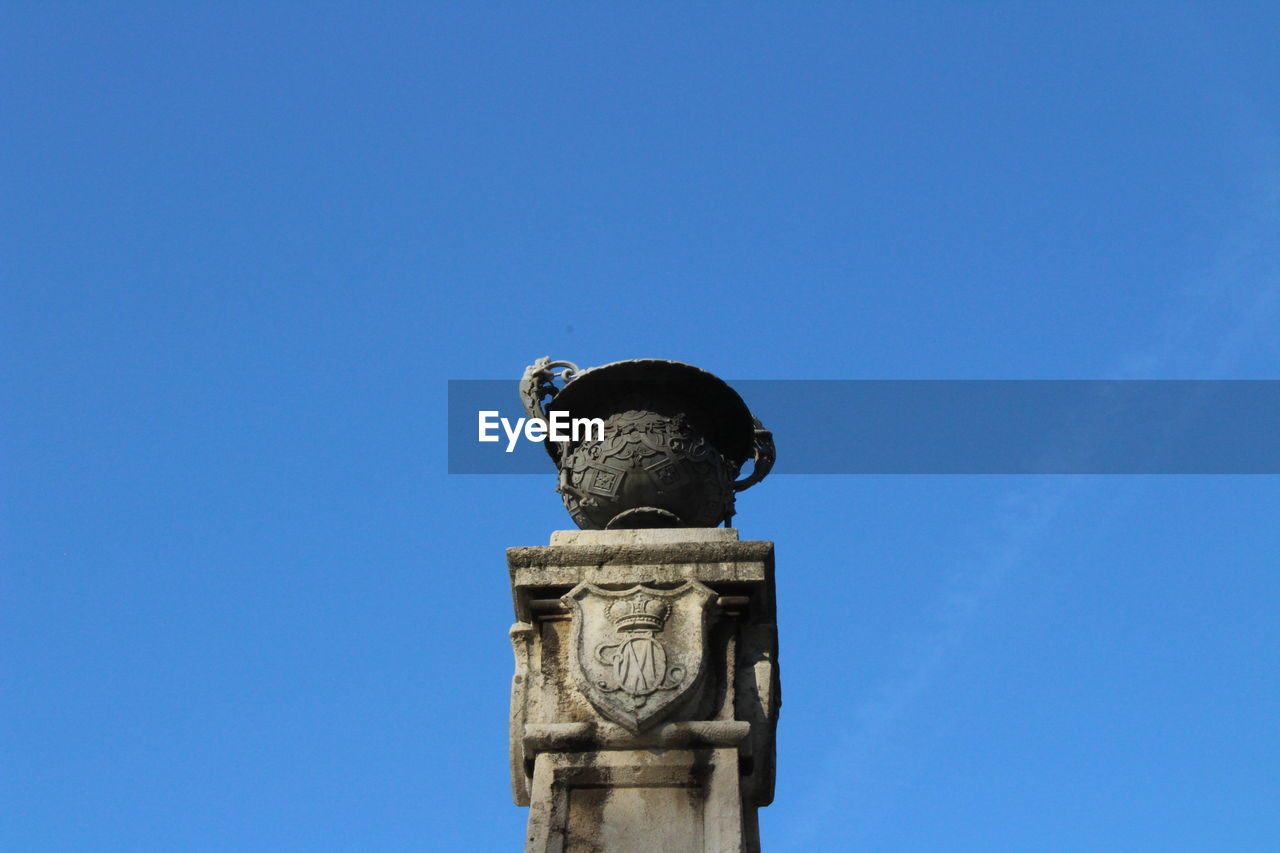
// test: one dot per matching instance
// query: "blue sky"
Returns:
(244, 607)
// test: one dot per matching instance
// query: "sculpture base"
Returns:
(638, 801)
(687, 778)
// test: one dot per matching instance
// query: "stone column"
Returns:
(646, 692)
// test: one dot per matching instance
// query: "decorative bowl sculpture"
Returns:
(675, 438)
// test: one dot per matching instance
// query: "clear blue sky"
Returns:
(244, 247)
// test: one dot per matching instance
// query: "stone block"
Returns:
(646, 690)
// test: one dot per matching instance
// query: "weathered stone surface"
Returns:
(645, 536)
(637, 801)
(633, 554)
(638, 653)
(636, 640)
(571, 737)
(543, 573)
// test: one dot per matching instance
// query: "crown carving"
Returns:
(639, 613)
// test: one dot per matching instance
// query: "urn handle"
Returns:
(764, 456)
(538, 384)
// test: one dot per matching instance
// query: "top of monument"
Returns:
(714, 408)
(668, 443)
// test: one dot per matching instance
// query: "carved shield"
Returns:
(638, 653)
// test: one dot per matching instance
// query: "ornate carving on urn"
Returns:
(675, 440)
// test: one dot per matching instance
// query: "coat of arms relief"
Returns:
(637, 653)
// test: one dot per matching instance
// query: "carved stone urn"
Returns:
(675, 438)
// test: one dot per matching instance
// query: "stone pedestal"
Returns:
(646, 693)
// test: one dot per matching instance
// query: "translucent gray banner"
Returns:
(955, 427)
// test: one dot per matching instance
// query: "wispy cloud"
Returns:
(1211, 323)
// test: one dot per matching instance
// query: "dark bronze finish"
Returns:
(675, 440)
